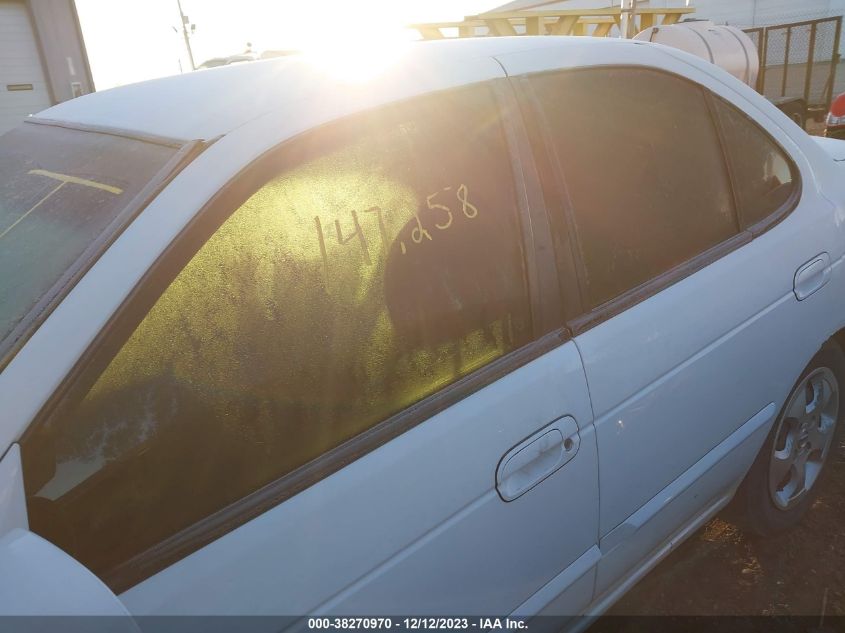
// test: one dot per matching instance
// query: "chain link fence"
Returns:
(801, 59)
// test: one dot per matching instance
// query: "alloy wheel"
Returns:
(803, 438)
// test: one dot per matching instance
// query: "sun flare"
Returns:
(358, 51)
(353, 41)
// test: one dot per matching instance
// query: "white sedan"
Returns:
(489, 331)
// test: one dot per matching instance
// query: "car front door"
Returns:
(336, 394)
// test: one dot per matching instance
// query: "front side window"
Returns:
(644, 171)
(763, 175)
(382, 265)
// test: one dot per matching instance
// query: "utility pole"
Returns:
(184, 19)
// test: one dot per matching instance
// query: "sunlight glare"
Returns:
(355, 45)
(354, 61)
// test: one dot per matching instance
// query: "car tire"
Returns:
(784, 479)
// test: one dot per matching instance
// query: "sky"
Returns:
(131, 40)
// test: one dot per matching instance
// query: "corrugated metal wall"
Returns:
(736, 12)
(766, 12)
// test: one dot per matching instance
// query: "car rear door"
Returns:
(338, 393)
(687, 288)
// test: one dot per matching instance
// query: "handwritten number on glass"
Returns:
(418, 233)
(434, 205)
(362, 240)
(381, 228)
(469, 209)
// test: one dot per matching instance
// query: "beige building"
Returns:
(42, 57)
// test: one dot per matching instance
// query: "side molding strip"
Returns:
(558, 584)
(620, 533)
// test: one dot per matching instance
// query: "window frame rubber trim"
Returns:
(657, 284)
(568, 263)
(778, 215)
(539, 249)
(155, 139)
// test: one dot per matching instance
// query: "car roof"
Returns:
(207, 104)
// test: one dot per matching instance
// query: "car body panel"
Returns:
(713, 477)
(39, 579)
(833, 147)
(12, 498)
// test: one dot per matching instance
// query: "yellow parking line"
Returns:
(63, 180)
(34, 207)
(76, 181)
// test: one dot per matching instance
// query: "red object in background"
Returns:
(837, 108)
(835, 127)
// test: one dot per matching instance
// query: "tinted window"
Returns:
(763, 176)
(644, 171)
(59, 190)
(382, 266)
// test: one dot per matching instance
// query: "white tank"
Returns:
(726, 46)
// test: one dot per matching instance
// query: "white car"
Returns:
(489, 332)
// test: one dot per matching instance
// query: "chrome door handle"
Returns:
(812, 276)
(534, 459)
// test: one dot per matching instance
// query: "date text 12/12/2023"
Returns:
(417, 623)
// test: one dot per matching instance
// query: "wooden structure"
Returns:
(594, 22)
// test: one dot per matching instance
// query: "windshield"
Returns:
(59, 190)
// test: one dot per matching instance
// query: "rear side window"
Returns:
(764, 178)
(381, 265)
(59, 190)
(644, 170)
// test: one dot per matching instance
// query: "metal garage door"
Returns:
(23, 87)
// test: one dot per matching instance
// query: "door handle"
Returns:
(534, 459)
(812, 276)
